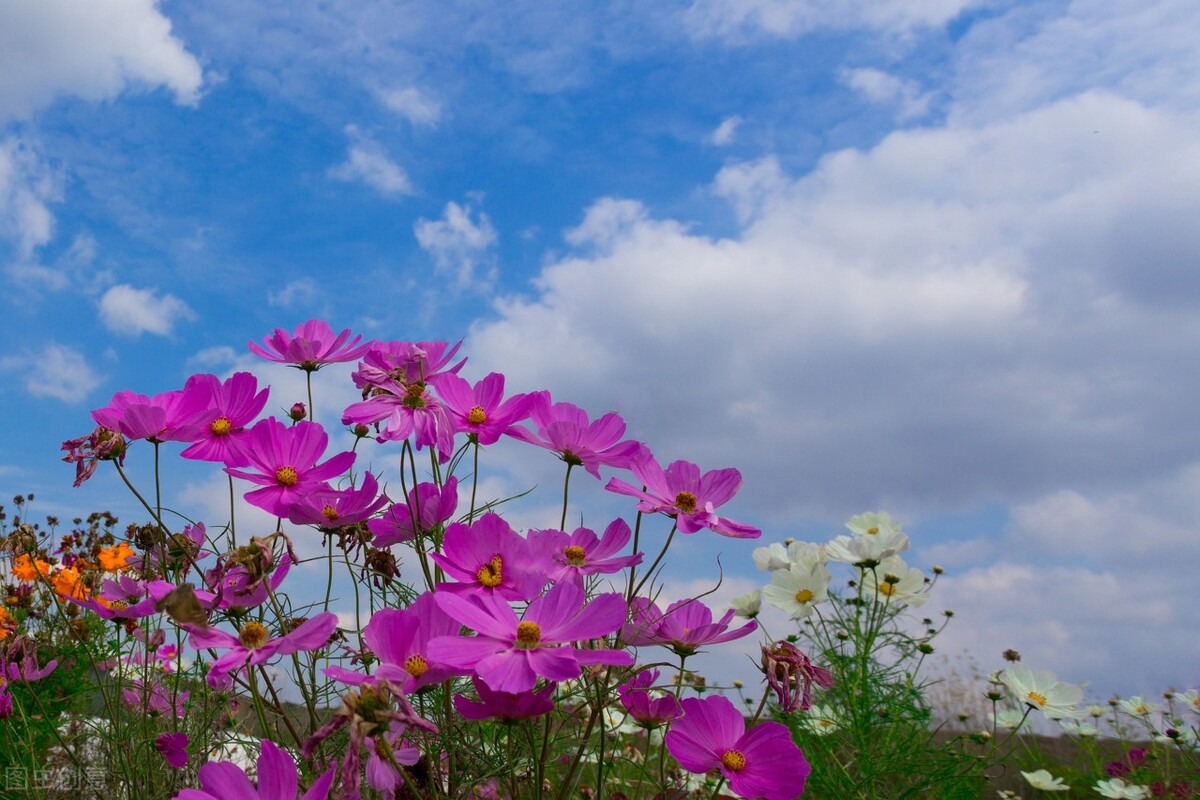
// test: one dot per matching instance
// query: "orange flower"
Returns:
(67, 582)
(113, 558)
(27, 570)
(7, 625)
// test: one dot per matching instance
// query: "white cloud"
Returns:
(458, 244)
(27, 187)
(737, 19)
(413, 104)
(726, 131)
(368, 162)
(132, 312)
(883, 88)
(300, 292)
(56, 371)
(94, 49)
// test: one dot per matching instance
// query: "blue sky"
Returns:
(933, 256)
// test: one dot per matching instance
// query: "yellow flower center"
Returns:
(733, 761)
(287, 476)
(416, 666)
(491, 574)
(886, 588)
(330, 513)
(414, 395)
(528, 635)
(686, 502)
(1035, 699)
(254, 635)
(477, 416)
(804, 596)
(576, 555)
(220, 426)
(874, 529)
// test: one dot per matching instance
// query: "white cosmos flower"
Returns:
(1043, 780)
(1042, 691)
(1118, 788)
(1137, 707)
(819, 719)
(866, 549)
(777, 556)
(796, 590)
(909, 588)
(872, 523)
(1009, 718)
(747, 605)
(1190, 698)
(1079, 727)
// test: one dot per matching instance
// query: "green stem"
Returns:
(562, 525)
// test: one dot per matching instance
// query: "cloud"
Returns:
(886, 89)
(27, 187)
(132, 312)
(457, 243)
(366, 161)
(740, 19)
(726, 131)
(413, 104)
(56, 371)
(94, 49)
(300, 292)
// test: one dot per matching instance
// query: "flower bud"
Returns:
(297, 412)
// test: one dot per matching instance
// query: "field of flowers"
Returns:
(175, 658)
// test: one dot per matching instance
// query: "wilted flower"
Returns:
(102, 444)
(791, 674)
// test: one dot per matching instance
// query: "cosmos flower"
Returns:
(277, 780)
(685, 626)
(254, 645)
(173, 747)
(405, 410)
(174, 416)
(509, 653)
(1119, 789)
(791, 674)
(798, 590)
(566, 430)
(481, 410)
(489, 557)
(680, 491)
(427, 507)
(894, 582)
(232, 406)
(333, 508)
(284, 460)
(778, 556)
(311, 347)
(762, 762)
(505, 706)
(405, 363)
(583, 553)
(1042, 691)
(1043, 781)
(86, 452)
(648, 710)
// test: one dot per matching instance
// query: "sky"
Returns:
(934, 257)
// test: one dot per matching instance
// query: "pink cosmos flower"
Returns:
(102, 444)
(285, 460)
(399, 638)
(254, 645)
(489, 557)
(167, 417)
(333, 508)
(311, 347)
(405, 363)
(505, 706)
(511, 653)
(583, 553)
(686, 626)
(277, 780)
(792, 674)
(648, 710)
(481, 411)
(232, 406)
(762, 762)
(173, 747)
(565, 429)
(405, 410)
(156, 699)
(427, 507)
(381, 775)
(681, 492)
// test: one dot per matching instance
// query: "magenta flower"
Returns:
(156, 699)
(333, 508)
(511, 653)
(232, 406)
(565, 429)
(686, 626)
(505, 706)
(488, 558)
(481, 411)
(102, 444)
(277, 780)
(254, 645)
(405, 363)
(583, 553)
(399, 638)
(173, 747)
(381, 775)
(167, 417)
(791, 674)
(405, 410)
(648, 710)
(427, 507)
(285, 460)
(681, 492)
(311, 347)
(762, 762)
